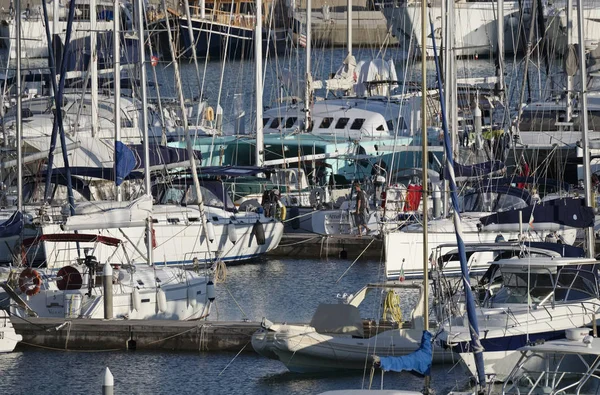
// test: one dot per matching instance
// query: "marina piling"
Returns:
(107, 275)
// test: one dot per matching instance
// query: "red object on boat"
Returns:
(413, 197)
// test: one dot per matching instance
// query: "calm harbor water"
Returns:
(281, 289)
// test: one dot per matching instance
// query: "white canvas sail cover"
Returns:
(338, 318)
(109, 214)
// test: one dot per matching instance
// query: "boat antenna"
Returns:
(471, 314)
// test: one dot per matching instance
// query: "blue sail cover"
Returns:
(418, 361)
(12, 226)
(474, 171)
(130, 158)
(568, 212)
(124, 162)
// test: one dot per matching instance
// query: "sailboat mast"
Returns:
(188, 139)
(569, 115)
(144, 118)
(500, 67)
(583, 113)
(19, 111)
(424, 161)
(94, 67)
(117, 82)
(259, 154)
(308, 79)
(349, 27)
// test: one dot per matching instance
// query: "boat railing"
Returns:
(225, 17)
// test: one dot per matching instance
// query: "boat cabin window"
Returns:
(490, 202)
(276, 122)
(536, 121)
(326, 123)
(390, 125)
(380, 128)
(265, 121)
(341, 123)
(573, 284)
(290, 122)
(514, 287)
(357, 124)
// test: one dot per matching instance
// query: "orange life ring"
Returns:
(30, 281)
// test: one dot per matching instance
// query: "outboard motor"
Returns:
(92, 264)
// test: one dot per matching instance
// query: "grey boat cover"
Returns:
(338, 319)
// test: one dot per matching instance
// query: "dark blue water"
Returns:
(283, 290)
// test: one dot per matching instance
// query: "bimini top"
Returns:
(541, 264)
(564, 346)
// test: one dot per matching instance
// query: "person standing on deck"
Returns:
(361, 209)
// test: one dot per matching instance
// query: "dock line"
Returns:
(357, 258)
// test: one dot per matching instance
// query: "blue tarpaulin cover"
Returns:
(12, 226)
(418, 361)
(125, 162)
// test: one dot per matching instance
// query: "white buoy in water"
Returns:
(210, 291)
(161, 301)
(136, 299)
(108, 383)
(233, 237)
(210, 231)
(191, 296)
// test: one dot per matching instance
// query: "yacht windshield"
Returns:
(490, 202)
(514, 288)
(573, 284)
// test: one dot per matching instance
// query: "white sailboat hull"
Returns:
(301, 349)
(136, 295)
(404, 249)
(8, 337)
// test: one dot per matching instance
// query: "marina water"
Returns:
(280, 289)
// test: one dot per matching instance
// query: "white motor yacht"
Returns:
(539, 298)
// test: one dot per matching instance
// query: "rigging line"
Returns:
(236, 355)
(357, 258)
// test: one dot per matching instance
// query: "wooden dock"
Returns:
(311, 245)
(105, 335)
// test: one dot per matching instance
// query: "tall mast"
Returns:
(425, 159)
(349, 28)
(500, 66)
(188, 139)
(259, 154)
(117, 81)
(19, 111)
(583, 113)
(569, 109)
(144, 117)
(470, 301)
(94, 67)
(308, 79)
